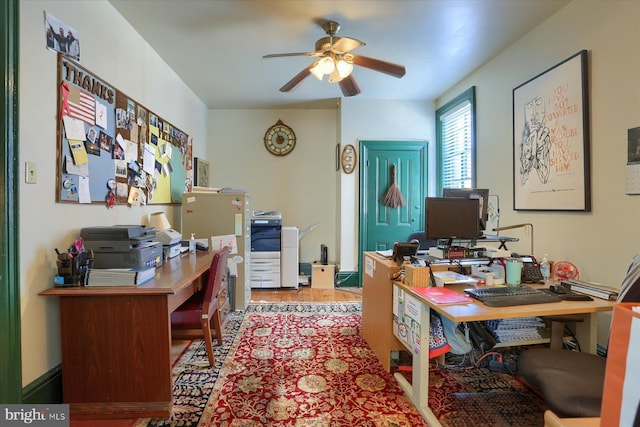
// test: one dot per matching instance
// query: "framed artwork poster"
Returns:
(200, 172)
(551, 161)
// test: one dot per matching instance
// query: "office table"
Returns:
(415, 337)
(116, 341)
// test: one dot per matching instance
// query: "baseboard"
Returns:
(45, 389)
(348, 279)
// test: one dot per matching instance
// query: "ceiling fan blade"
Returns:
(280, 55)
(349, 86)
(390, 68)
(297, 79)
(346, 44)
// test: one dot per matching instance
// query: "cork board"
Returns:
(112, 149)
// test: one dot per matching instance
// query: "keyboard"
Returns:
(508, 296)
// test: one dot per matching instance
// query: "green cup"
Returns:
(514, 271)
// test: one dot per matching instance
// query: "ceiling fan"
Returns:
(337, 61)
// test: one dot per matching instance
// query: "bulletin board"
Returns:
(112, 149)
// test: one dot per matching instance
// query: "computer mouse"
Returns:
(558, 289)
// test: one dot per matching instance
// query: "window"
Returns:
(456, 142)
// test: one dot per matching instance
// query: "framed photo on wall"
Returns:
(551, 162)
(200, 172)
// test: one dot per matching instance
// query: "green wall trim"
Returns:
(10, 341)
(348, 279)
(45, 389)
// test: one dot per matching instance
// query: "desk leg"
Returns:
(587, 333)
(418, 390)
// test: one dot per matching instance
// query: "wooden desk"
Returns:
(416, 339)
(377, 307)
(116, 342)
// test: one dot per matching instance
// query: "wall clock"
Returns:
(348, 158)
(280, 139)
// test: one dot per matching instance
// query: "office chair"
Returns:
(421, 237)
(572, 382)
(199, 315)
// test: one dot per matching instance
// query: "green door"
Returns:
(10, 357)
(381, 225)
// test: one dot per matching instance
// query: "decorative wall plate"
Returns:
(349, 158)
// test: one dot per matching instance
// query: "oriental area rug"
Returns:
(287, 364)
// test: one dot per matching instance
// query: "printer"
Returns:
(123, 246)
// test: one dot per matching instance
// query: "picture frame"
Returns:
(551, 156)
(200, 172)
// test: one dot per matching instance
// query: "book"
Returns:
(119, 276)
(442, 295)
(454, 252)
(592, 289)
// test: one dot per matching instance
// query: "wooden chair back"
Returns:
(216, 274)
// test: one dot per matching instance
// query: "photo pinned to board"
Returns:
(61, 37)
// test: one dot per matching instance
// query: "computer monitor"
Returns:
(482, 194)
(449, 218)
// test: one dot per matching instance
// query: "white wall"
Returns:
(602, 242)
(305, 185)
(301, 185)
(112, 50)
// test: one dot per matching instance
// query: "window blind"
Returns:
(457, 147)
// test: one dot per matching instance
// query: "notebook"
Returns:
(442, 295)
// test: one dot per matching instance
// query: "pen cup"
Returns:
(514, 271)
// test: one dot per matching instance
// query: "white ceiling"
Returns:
(216, 46)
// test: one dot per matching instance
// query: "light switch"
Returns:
(31, 173)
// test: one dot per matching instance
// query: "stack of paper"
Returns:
(518, 329)
(119, 276)
(452, 278)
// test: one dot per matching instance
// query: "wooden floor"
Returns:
(303, 294)
(307, 294)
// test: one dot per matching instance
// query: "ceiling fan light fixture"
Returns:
(344, 68)
(316, 71)
(335, 76)
(327, 65)
(334, 58)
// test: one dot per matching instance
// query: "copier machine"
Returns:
(274, 251)
(265, 249)
(123, 246)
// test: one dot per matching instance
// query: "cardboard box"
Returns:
(323, 276)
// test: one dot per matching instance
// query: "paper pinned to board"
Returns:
(219, 242)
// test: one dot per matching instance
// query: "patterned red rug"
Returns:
(305, 365)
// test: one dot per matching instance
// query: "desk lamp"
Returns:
(169, 237)
(511, 227)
